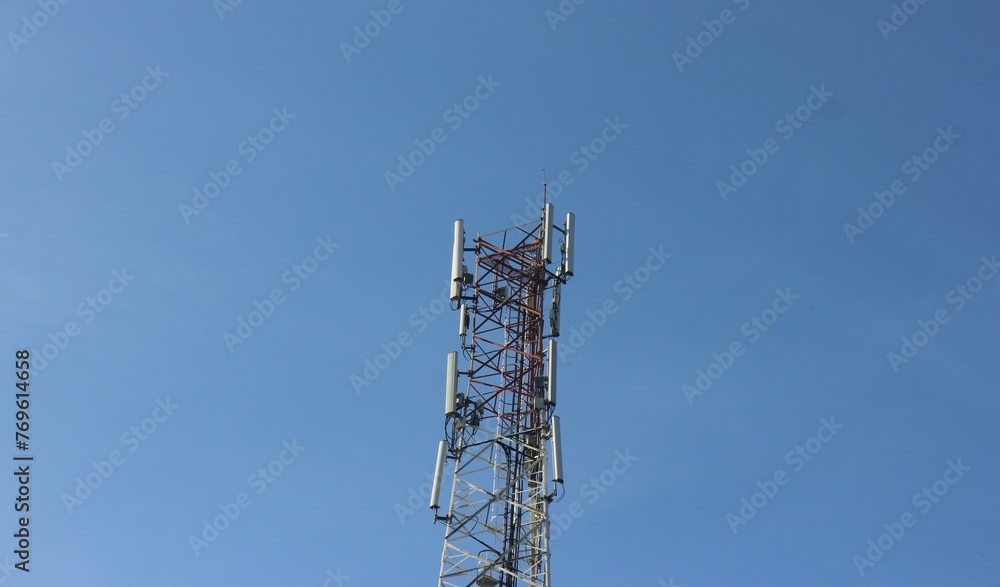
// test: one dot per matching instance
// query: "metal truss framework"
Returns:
(497, 531)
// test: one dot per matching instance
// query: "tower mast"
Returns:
(501, 433)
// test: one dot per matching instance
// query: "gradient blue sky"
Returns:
(334, 506)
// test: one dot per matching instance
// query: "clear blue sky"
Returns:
(109, 253)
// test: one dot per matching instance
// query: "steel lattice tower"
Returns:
(500, 427)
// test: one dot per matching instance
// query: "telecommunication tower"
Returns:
(500, 428)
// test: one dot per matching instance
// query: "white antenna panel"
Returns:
(457, 254)
(547, 237)
(438, 474)
(570, 241)
(451, 383)
(463, 319)
(557, 472)
(551, 392)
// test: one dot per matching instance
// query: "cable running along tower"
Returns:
(501, 433)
